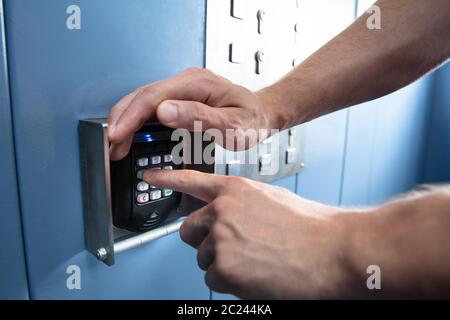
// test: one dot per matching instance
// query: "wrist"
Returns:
(272, 109)
(292, 101)
(354, 238)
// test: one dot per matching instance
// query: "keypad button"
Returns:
(143, 198)
(142, 186)
(155, 195)
(142, 162)
(140, 174)
(156, 159)
(168, 158)
(167, 192)
(168, 168)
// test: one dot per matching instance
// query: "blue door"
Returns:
(13, 278)
(72, 62)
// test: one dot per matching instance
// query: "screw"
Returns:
(102, 254)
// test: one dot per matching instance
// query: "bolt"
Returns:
(102, 254)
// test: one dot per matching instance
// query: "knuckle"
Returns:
(199, 113)
(238, 182)
(185, 177)
(192, 70)
(206, 77)
(219, 206)
(149, 89)
(222, 263)
(218, 234)
(235, 121)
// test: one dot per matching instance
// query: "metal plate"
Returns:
(277, 41)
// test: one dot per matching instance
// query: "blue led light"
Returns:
(144, 137)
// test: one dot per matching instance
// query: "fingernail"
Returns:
(167, 112)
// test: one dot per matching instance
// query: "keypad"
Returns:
(145, 193)
(168, 158)
(142, 186)
(143, 198)
(155, 194)
(142, 162)
(156, 159)
(140, 174)
(167, 192)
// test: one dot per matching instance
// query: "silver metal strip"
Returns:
(146, 237)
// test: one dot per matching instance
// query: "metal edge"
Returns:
(96, 189)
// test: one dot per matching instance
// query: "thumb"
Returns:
(182, 114)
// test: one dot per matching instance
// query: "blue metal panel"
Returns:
(437, 165)
(386, 144)
(59, 76)
(13, 278)
(359, 155)
(324, 154)
(399, 142)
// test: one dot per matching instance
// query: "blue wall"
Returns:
(437, 162)
(13, 280)
(59, 76)
(386, 143)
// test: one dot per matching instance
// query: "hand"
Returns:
(259, 241)
(194, 95)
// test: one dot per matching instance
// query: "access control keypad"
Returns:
(144, 193)
(136, 204)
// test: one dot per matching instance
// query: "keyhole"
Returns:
(296, 31)
(261, 14)
(259, 56)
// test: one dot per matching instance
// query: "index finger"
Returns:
(203, 186)
(127, 118)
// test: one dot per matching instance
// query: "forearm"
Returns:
(362, 64)
(409, 240)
